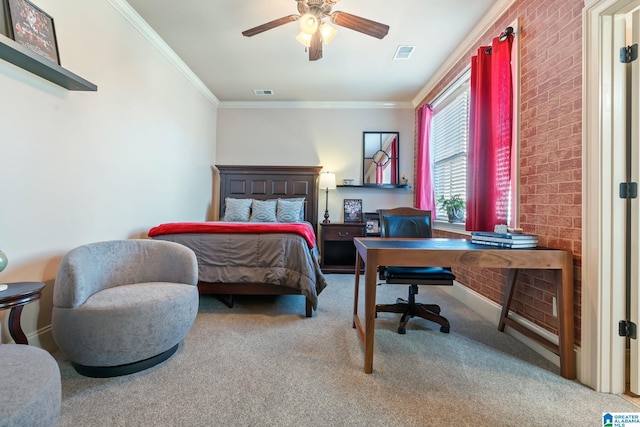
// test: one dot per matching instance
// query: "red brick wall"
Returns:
(550, 149)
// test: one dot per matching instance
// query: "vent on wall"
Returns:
(403, 52)
(263, 92)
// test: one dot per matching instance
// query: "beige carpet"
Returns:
(262, 363)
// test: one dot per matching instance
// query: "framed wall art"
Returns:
(352, 210)
(372, 221)
(31, 27)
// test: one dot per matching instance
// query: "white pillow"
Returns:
(237, 210)
(290, 210)
(263, 211)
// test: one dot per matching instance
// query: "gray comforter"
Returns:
(279, 259)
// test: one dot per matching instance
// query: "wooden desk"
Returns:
(15, 297)
(375, 251)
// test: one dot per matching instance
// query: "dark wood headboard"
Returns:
(271, 182)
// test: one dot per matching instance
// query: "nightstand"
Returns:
(337, 252)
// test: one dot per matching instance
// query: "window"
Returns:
(449, 141)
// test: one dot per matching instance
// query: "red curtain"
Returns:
(394, 161)
(424, 179)
(490, 126)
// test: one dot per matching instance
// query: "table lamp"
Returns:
(3, 264)
(327, 182)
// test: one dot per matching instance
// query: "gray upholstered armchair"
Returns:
(123, 306)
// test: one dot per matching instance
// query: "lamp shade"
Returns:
(304, 39)
(328, 32)
(308, 23)
(327, 181)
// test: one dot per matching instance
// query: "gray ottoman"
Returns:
(30, 391)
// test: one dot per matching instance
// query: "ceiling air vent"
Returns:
(263, 92)
(403, 52)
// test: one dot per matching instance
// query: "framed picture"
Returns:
(372, 220)
(352, 210)
(30, 26)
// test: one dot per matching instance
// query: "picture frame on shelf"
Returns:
(372, 221)
(3, 20)
(31, 27)
(352, 210)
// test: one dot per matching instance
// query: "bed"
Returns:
(257, 258)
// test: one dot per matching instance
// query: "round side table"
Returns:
(15, 297)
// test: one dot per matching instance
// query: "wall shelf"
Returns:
(22, 57)
(384, 186)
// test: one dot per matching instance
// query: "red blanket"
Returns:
(302, 229)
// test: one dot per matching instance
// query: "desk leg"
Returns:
(371, 272)
(508, 296)
(15, 330)
(357, 287)
(564, 295)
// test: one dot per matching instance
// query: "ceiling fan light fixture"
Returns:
(304, 39)
(314, 32)
(328, 32)
(308, 23)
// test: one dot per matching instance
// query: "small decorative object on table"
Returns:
(3, 264)
(500, 228)
(352, 210)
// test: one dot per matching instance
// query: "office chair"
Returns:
(411, 222)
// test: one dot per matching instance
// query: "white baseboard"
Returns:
(491, 311)
(42, 338)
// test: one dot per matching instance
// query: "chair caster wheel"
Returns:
(402, 331)
(444, 329)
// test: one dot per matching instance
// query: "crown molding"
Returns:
(156, 41)
(336, 105)
(496, 11)
(145, 29)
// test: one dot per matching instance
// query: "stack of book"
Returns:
(504, 240)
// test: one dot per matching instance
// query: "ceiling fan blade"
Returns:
(269, 25)
(315, 49)
(362, 25)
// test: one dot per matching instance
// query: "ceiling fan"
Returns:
(314, 32)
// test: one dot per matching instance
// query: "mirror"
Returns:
(381, 155)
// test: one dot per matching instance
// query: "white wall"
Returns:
(329, 137)
(78, 167)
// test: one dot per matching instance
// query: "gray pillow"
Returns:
(237, 209)
(263, 211)
(290, 210)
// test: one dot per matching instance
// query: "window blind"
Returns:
(450, 136)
